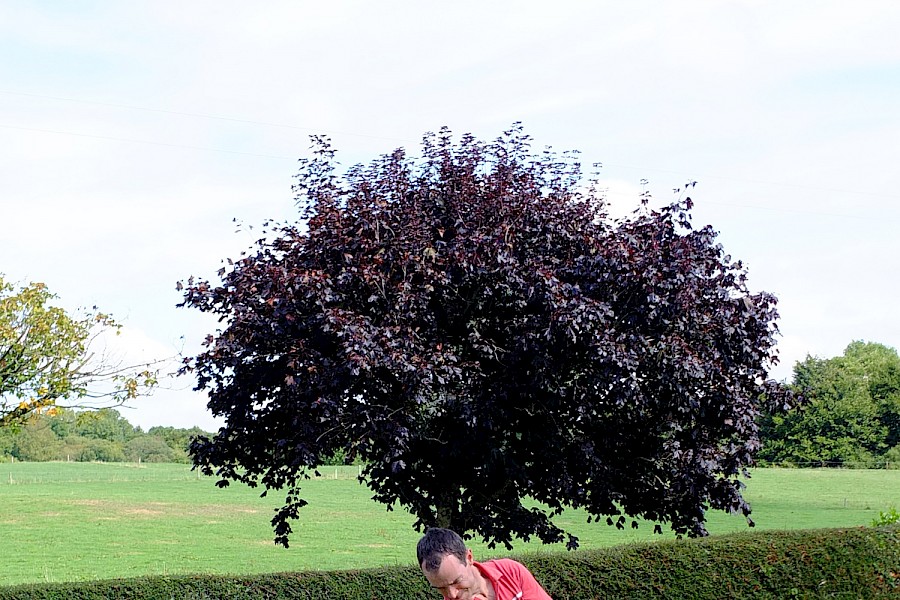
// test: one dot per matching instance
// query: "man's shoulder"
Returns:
(512, 580)
(506, 562)
(501, 565)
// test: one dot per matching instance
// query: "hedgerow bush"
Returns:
(856, 563)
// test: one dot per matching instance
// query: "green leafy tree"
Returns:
(150, 448)
(48, 357)
(64, 422)
(104, 424)
(7, 442)
(880, 366)
(36, 441)
(852, 416)
(101, 451)
(73, 447)
(474, 328)
(177, 439)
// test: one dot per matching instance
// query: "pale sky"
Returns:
(132, 134)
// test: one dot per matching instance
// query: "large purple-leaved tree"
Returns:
(473, 327)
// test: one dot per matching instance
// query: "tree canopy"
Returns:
(47, 358)
(474, 327)
(852, 417)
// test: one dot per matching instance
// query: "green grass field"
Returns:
(78, 521)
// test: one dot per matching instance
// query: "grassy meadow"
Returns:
(79, 521)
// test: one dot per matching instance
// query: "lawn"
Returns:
(77, 521)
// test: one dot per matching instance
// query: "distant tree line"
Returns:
(851, 417)
(93, 435)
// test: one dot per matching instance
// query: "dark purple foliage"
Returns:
(473, 327)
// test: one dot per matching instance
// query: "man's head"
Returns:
(435, 544)
(447, 563)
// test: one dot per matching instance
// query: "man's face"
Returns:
(454, 579)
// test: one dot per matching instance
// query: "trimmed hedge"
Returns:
(821, 563)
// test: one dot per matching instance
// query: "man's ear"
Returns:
(469, 558)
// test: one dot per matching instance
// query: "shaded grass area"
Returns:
(78, 521)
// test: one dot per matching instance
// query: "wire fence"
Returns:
(16, 472)
(829, 464)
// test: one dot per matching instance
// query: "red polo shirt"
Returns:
(511, 580)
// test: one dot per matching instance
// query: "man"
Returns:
(449, 568)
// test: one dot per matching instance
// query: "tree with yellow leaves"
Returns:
(48, 359)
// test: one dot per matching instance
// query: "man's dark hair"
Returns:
(437, 543)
